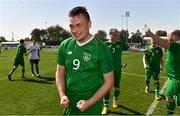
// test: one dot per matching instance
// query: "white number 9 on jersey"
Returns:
(76, 64)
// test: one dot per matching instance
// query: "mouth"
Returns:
(76, 35)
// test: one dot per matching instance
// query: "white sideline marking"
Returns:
(132, 74)
(155, 102)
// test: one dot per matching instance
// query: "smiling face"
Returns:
(114, 35)
(79, 27)
(153, 42)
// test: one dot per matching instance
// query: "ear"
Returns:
(89, 24)
(174, 37)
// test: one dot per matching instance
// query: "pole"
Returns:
(122, 22)
(127, 15)
(12, 36)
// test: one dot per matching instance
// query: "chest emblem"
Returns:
(69, 52)
(86, 56)
(157, 51)
(117, 46)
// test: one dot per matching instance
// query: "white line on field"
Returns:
(132, 74)
(155, 102)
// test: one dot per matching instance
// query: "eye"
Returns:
(70, 26)
(78, 25)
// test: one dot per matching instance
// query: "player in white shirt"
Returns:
(34, 57)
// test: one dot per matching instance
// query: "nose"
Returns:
(74, 30)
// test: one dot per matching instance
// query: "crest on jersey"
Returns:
(86, 56)
(157, 51)
(117, 46)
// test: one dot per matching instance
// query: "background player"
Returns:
(116, 46)
(153, 63)
(172, 65)
(19, 60)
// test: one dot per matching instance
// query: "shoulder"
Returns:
(68, 40)
(175, 43)
(64, 44)
(108, 42)
(120, 42)
(100, 46)
(159, 47)
(99, 42)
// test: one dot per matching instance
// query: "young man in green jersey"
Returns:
(153, 64)
(19, 60)
(84, 71)
(116, 47)
(172, 65)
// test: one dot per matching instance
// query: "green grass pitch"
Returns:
(39, 96)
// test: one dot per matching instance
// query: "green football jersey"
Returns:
(173, 61)
(116, 50)
(85, 65)
(20, 51)
(153, 59)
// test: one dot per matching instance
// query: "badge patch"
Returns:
(86, 56)
(157, 51)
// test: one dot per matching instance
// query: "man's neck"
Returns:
(89, 36)
(113, 41)
(154, 45)
(85, 41)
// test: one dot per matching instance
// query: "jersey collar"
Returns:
(81, 44)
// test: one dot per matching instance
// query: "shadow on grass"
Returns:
(34, 80)
(38, 81)
(151, 91)
(47, 78)
(126, 108)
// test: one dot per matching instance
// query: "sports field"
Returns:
(39, 96)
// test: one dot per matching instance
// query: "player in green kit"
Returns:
(84, 71)
(153, 64)
(116, 45)
(19, 60)
(172, 65)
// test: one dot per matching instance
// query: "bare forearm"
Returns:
(144, 61)
(60, 86)
(102, 90)
(60, 81)
(135, 49)
(164, 43)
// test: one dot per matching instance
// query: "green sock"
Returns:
(156, 87)
(147, 83)
(116, 93)
(106, 99)
(171, 106)
(23, 71)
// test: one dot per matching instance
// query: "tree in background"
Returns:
(57, 33)
(36, 33)
(136, 37)
(2, 39)
(27, 39)
(43, 34)
(123, 34)
(161, 33)
(101, 34)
